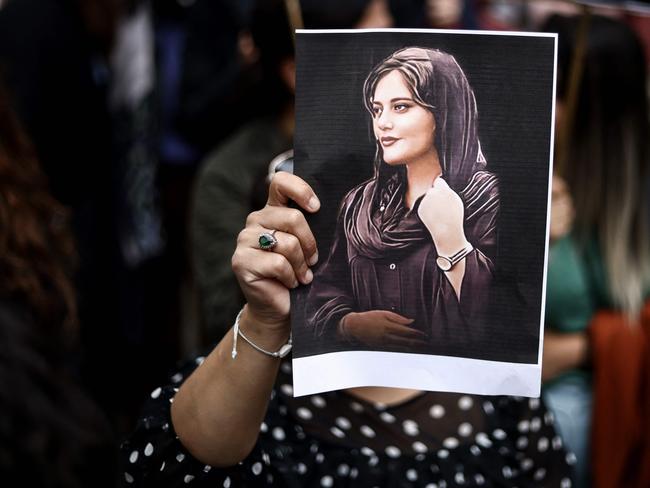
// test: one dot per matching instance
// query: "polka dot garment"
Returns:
(434, 440)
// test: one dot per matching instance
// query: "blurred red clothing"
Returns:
(621, 421)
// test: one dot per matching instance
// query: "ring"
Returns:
(267, 240)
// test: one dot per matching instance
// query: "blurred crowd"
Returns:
(135, 137)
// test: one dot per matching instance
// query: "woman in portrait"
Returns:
(413, 254)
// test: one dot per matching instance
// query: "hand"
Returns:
(562, 212)
(381, 328)
(441, 211)
(266, 276)
(562, 352)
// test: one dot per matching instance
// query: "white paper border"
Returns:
(349, 369)
(427, 31)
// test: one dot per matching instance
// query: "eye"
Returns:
(376, 111)
(401, 107)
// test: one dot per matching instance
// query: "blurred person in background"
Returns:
(600, 250)
(80, 77)
(51, 434)
(231, 182)
(219, 72)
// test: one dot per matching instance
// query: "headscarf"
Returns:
(376, 219)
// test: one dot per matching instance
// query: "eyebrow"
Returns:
(393, 100)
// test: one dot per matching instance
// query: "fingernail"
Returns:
(295, 284)
(313, 259)
(308, 276)
(313, 203)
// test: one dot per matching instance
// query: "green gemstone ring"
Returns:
(267, 240)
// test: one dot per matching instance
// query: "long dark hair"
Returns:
(37, 254)
(52, 436)
(438, 84)
(607, 167)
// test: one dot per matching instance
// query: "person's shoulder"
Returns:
(253, 145)
(357, 192)
(481, 186)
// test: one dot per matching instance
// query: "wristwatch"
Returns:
(447, 263)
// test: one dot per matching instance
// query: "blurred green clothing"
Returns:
(230, 185)
(576, 285)
(576, 288)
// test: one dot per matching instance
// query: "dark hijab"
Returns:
(439, 84)
(376, 220)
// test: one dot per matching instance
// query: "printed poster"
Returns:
(431, 153)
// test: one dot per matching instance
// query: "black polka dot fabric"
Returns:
(434, 440)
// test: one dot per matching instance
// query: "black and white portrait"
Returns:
(419, 220)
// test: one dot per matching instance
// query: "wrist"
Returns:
(446, 261)
(266, 333)
(448, 243)
(342, 328)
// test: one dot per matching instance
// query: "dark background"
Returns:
(512, 79)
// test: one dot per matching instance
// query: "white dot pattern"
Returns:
(465, 429)
(304, 413)
(387, 417)
(435, 440)
(343, 423)
(410, 427)
(393, 452)
(437, 411)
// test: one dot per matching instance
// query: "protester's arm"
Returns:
(563, 352)
(218, 410)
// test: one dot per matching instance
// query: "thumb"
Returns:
(440, 182)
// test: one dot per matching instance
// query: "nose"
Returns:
(384, 121)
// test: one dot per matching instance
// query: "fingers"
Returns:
(439, 183)
(288, 246)
(286, 186)
(268, 265)
(396, 318)
(289, 221)
(406, 342)
(405, 331)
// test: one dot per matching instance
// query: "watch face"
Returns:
(443, 263)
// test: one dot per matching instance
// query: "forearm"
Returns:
(218, 410)
(563, 352)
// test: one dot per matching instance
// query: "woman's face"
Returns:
(404, 129)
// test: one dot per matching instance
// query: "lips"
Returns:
(388, 141)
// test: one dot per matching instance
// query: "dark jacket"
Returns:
(383, 258)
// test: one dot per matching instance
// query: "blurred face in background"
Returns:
(443, 13)
(376, 16)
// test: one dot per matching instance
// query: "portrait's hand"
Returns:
(381, 328)
(562, 212)
(441, 211)
(265, 276)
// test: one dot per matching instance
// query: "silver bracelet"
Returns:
(280, 353)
